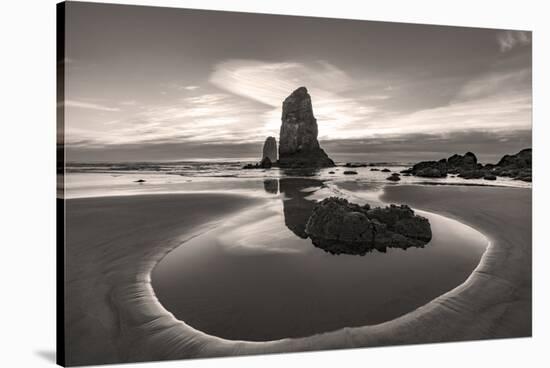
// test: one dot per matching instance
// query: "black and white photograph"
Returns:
(248, 182)
(233, 186)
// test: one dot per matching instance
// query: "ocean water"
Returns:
(100, 179)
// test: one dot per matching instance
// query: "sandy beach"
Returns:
(113, 244)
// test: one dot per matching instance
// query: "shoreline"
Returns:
(89, 184)
(133, 326)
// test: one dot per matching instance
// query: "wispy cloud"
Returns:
(270, 83)
(507, 40)
(180, 86)
(212, 117)
(89, 105)
(244, 106)
(495, 101)
(128, 103)
(497, 83)
(491, 101)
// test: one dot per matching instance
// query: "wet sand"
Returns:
(113, 243)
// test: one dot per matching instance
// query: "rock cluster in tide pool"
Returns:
(338, 226)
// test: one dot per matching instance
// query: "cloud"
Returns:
(211, 117)
(180, 86)
(129, 103)
(507, 40)
(88, 105)
(492, 101)
(507, 112)
(270, 83)
(244, 106)
(497, 83)
(495, 101)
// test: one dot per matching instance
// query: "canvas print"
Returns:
(237, 183)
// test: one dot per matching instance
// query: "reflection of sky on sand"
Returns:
(260, 268)
(257, 231)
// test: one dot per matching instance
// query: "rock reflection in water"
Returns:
(271, 186)
(297, 210)
(296, 207)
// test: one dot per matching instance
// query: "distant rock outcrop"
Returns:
(457, 163)
(518, 166)
(521, 160)
(355, 164)
(394, 177)
(270, 149)
(298, 145)
(338, 226)
(271, 186)
(430, 169)
(264, 164)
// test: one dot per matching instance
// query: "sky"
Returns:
(154, 84)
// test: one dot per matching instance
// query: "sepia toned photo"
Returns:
(237, 183)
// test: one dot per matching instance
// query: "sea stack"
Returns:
(270, 149)
(298, 144)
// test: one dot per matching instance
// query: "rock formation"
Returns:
(298, 145)
(471, 174)
(394, 177)
(338, 226)
(355, 164)
(521, 160)
(270, 149)
(518, 166)
(264, 164)
(271, 186)
(297, 207)
(457, 163)
(430, 169)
